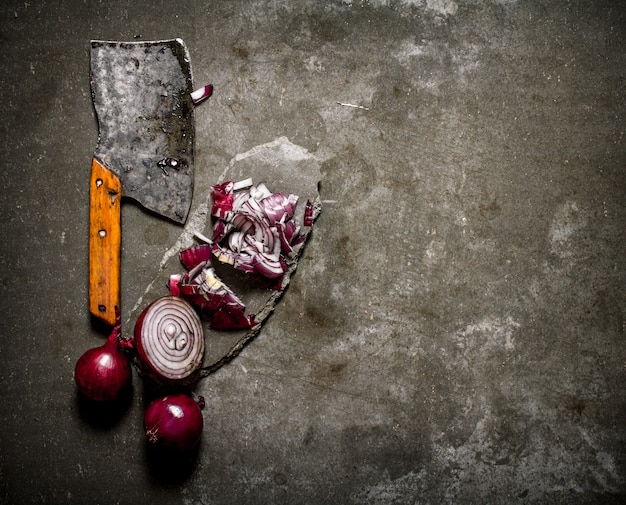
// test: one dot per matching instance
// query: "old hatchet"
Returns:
(142, 96)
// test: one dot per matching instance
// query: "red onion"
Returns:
(169, 338)
(174, 423)
(103, 372)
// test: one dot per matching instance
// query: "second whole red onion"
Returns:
(174, 423)
(103, 372)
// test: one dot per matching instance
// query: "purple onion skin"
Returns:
(174, 423)
(103, 372)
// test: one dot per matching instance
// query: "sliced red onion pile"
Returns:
(255, 232)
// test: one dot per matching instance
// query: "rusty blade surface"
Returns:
(141, 94)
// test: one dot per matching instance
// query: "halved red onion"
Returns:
(220, 230)
(169, 338)
(201, 94)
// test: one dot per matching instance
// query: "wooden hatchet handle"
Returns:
(105, 195)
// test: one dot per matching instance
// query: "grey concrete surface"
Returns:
(455, 331)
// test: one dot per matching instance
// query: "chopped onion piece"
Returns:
(286, 232)
(223, 255)
(246, 183)
(195, 271)
(243, 223)
(220, 230)
(278, 206)
(195, 255)
(174, 284)
(222, 199)
(241, 260)
(202, 238)
(260, 191)
(201, 94)
(236, 241)
(269, 265)
(238, 200)
(308, 214)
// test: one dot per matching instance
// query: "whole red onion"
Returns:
(174, 422)
(101, 373)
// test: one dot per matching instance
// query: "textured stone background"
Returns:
(455, 331)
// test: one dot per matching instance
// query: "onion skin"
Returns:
(174, 423)
(103, 372)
